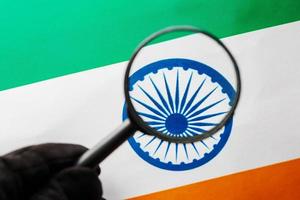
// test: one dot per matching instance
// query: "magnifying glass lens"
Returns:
(182, 86)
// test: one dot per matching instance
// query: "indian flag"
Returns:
(62, 66)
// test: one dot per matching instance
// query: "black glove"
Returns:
(45, 172)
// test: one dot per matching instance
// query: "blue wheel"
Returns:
(192, 98)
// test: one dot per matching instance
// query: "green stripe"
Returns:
(42, 39)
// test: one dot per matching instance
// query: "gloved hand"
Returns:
(46, 172)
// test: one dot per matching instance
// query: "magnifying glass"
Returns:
(182, 85)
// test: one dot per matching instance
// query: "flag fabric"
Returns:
(62, 69)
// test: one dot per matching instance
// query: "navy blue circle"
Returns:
(202, 69)
(176, 123)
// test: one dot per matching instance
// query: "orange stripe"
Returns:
(278, 181)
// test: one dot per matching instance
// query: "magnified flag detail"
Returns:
(180, 98)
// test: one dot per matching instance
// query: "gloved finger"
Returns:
(75, 183)
(33, 166)
(54, 155)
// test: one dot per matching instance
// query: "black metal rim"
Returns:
(138, 121)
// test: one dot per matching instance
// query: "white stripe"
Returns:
(84, 107)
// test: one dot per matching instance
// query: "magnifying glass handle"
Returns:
(100, 151)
